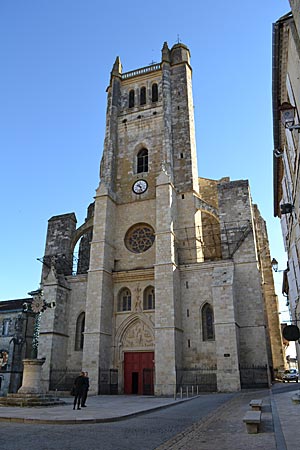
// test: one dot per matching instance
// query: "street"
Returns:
(145, 432)
(206, 422)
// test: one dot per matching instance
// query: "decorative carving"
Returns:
(138, 335)
(139, 238)
(138, 304)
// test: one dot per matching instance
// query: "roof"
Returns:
(13, 305)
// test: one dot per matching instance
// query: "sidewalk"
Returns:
(223, 429)
(101, 408)
(289, 419)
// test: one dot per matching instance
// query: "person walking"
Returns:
(86, 386)
(78, 390)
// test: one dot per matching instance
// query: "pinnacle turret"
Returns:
(117, 67)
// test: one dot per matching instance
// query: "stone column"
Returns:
(97, 350)
(228, 374)
(167, 339)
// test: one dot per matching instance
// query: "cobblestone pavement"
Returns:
(225, 430)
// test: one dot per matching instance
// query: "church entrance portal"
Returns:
(138, 373)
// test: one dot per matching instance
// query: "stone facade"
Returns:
(169, 291)
(286, 91)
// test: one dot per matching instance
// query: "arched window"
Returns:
(131, 99)
(208, 329)
(81, 253)
(79, 336)
(124, 300)
(154, 92)
(143, 96)
(142, 161)
(149, 298)
(6, 327)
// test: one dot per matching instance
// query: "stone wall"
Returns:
(58, 243)
(235, 205)
(274, 338)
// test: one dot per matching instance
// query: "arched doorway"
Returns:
(137, 342)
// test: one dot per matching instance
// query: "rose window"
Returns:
(139, 238)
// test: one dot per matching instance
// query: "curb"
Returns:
(279, 437)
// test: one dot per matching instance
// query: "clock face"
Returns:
(37, 305)
(140, 186)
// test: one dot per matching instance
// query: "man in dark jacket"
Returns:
(86, 386)
(78, 389)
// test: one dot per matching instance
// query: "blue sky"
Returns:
(56, 58)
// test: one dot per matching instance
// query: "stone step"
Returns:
(37, 396)
(32, 400)
(60, 393)
(29, 403)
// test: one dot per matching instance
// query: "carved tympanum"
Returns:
(138, 335)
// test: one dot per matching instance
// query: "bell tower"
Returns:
(150, 109)
(148, 189)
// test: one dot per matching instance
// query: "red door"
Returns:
(138, 372)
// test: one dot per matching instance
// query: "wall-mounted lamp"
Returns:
(278, 153)
(286, 208)
(288, 112)
(274, 264)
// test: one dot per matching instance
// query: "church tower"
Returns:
(167, 292)
(148, 184)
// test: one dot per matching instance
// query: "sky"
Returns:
(56, 57)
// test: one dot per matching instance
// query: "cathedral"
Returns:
(168, 282)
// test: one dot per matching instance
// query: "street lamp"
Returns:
(285, 291)
(274, 264)
(287, 112)
(286, 208)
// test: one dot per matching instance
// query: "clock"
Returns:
(140, 186)
(37, 304)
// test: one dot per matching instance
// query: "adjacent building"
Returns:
(172, 285)
(16, 331)
(286, 126)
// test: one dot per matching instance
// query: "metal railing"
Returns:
(142, 71)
